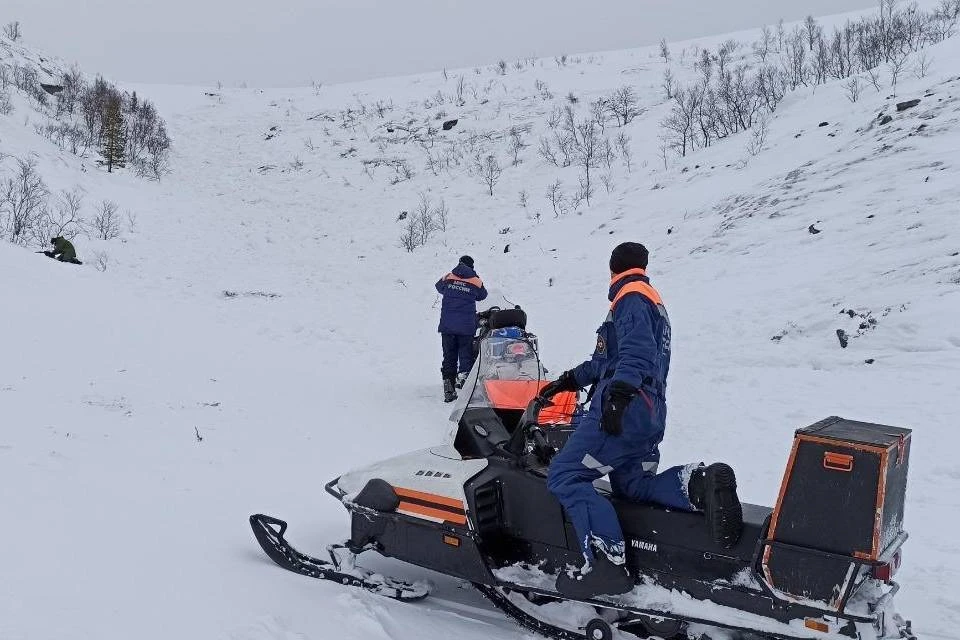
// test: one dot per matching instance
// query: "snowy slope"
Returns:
(127, 525)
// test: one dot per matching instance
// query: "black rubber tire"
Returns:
(598, 629)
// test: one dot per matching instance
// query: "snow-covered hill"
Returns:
(259, 329)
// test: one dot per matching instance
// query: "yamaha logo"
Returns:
(643, 545)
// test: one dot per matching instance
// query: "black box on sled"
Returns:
(839, 514)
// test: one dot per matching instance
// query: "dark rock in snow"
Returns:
(52, 89)
(843, 338)
(921, 127)
(403, 216)
(869, 361)
(813, 230)
(824, 124)
(506, 249)
(450, 124)
(669, 230)
(909, 104)
(886, 119)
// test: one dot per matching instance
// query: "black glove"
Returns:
(566, 382)
(617, 398)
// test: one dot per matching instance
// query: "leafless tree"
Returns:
(106, 222)
(458, 96)
(6, 106)
(555, 197)
(12, 31)
(626, 153)
(896, 67)
(668, 84)
(922, 65)
(23, 201)
(489, 171)
(874, 76)
(516, 144)
(524, 198)
(441, 215)
(588, 149)
(607, 181)
(664, 50)
(761, 48)
(758, 136)
(624, 105)
(853, 87)
(679, 124)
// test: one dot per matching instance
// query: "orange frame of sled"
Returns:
(517, 394)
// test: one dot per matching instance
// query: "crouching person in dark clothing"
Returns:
(461, 290)
(62, 250)
(621, 432)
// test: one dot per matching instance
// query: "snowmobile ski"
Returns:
(269, 532)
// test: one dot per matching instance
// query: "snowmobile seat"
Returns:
(678, 542)
(504, 318)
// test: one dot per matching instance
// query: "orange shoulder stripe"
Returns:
(642, 288)
(475, 281)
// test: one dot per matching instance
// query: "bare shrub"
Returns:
(12, 31)
(100, 260)
(516, 144)
(106, 222)
(23, 202)
(6, 106)
(758, 136)
(853, 87)
(62, 219)
(626, 154)
(607, 181)
(664, 50)
(623, 105)
(920, 68)
(556, 198)
(489, 171)
(668, 85)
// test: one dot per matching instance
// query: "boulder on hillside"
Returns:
(450, 124)
(909, 104)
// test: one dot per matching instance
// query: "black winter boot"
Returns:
(713, 490)
(601, 577)
(449, 392)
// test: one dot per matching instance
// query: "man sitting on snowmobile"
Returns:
(620, 433)
(62, 250)
(461, 289)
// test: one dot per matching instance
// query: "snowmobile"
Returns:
(818, 565)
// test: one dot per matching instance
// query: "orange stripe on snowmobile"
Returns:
(477, 282)
(642, 288)
(517, 394)
(439, 514)
(561, 411)
(441, 501)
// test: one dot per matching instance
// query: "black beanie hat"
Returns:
(467, 260)
(628, 255)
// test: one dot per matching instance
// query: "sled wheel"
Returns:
(662, 627)
(598, 629)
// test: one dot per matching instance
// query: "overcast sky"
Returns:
(275, 43)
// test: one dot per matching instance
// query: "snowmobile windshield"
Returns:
(506, 375)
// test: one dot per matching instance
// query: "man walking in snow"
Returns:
(461, 290)
(62, 250)
(620, 434)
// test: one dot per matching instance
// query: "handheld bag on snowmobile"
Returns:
(839, 516)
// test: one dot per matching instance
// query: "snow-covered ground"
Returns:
(144, 413)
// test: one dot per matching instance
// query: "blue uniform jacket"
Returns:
(633, 346)
(461, 289)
